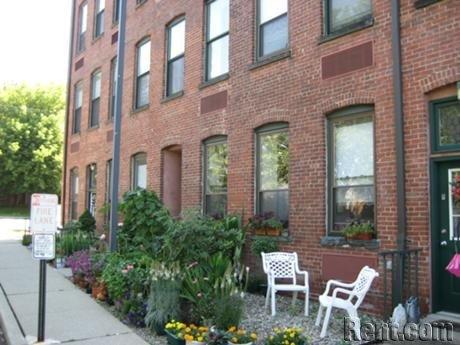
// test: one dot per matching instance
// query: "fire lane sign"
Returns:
(43, 214)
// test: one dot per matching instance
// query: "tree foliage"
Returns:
(31, 127)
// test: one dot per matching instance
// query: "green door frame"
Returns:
(434, 191)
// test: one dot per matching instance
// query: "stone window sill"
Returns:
(172, 97)
(214, 81)
(281, 238)
(358, 27)
(94, 128)
(424, 3)
(284, 54)
(140, 109)
(341, 242)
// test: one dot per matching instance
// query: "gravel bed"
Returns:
(258, 319)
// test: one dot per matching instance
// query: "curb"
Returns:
(12, 332)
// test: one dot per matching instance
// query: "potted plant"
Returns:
(174, 332)
(266, 224)
(292, 334)
(357, 231)
(80, 264)
(240, 336)
(99, 290)
(195, 335)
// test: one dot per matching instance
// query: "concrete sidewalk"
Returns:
(72, 316)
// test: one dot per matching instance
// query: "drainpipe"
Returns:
(67, 112)
(114, 183)
(399, 140)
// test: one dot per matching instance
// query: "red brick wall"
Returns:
(290, 90)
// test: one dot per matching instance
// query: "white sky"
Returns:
(34, 36)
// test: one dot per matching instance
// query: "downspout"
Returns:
(67, 112)
(399, 141)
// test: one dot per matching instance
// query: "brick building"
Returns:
(285, 106)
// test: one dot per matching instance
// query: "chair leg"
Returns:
(273, 292)
(307, 302)
(326, 321)
(267, 298)
(294, 298)
(356, 321)
(320, 315)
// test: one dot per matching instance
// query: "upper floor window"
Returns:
(78, 102)
(91, 173)
(217, 38)
(272, 28)
(142, 75)
(343, 15)
(351, 168)
(140, 2)
(116, 11)
(74, 194)
(272, 171)
(139, 171)
(95, 99)
(175, 58)
(445, 124)
(215, 177)
(113, 87)
(82, 26)
(99, 18)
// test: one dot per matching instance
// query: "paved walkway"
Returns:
(72, 316)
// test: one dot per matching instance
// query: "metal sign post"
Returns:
(43, 225)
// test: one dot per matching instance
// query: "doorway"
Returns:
(172, 179)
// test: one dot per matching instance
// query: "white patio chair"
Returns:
(356, 294)
(279, 265)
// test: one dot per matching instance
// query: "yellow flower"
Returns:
(188, 337)
(292, 344)
(285, 336)
(234, 340)
(188, 330)
(253, 336)
(232, 329)
(241, 332)
(292, 335)
(199, 338)
(271, 337)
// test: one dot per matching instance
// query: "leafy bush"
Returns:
(71, 241)
(26, 240)
(87, 223)
(197, 238)
(264, 245)
(229, 311)
(145, 221)
(80, 264)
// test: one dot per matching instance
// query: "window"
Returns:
(445, 124)
(272, 27)
(142, 75)
(351, 168)
(217, 38)
(108, 190)
(95, 99)
(116, 11)
(91, 189)
(140, 2)
(175, 59)
(99, 19)
(74, 194)
(82, 26)
(139, 171)
(344, 15)
(215, 177)
(77, 108)
(272, 182)
(113, 87)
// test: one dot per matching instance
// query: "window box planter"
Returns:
(360, 237)
(260, 231)
(173, 340)
(273, 231)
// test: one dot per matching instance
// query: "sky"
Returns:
(34, 41)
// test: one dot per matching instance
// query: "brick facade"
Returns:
(293, 89)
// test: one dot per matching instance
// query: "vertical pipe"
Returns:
(399, 140)
(114, 183)
(42, 302)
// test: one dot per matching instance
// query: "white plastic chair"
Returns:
(279, 265)
(356, 294)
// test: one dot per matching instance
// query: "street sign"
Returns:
(44, 246)
(43, 213)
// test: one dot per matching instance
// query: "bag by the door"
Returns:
(413, 310)
(399, 318)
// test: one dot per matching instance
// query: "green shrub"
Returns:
(26, 240)
(87, 222)
(264, 245)
(72, 240)
(229, 311)
(145, 221)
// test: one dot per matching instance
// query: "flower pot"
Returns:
(361, 237)
(194, 342)
(159, 328)
(230, 343)
(273, 231)
(173, 340)
(260, 231)
(99, 291)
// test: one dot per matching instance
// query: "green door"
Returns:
(446, 230)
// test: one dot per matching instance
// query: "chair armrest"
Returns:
(305, 274)
(337, 290)
(332, 282)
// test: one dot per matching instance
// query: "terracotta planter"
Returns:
(173, 340)
(99, 291)
(360, 237)
(273, 232)
(260, 231)
(80, 281)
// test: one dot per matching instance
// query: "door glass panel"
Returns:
(454, 203)
(449, 124)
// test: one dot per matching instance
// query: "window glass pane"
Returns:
(276, 202)
(176, 76)
(141, 179)
(218, 57)
(274, 161)
(219, 17)
(142, 91)
(216, 205)
(271, 9)
(77, 120)
(274, 36)
(216, 168)
(116, 10)
(95, 109)
(99, 24)
(354, 152)
(143, 58)
(96, 92)
(84, 18)
(353, 204)
(176, 39)
(78, 96)
(346, 12)
(449, 124)
(100, 5)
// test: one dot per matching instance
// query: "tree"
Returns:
(31, 127)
